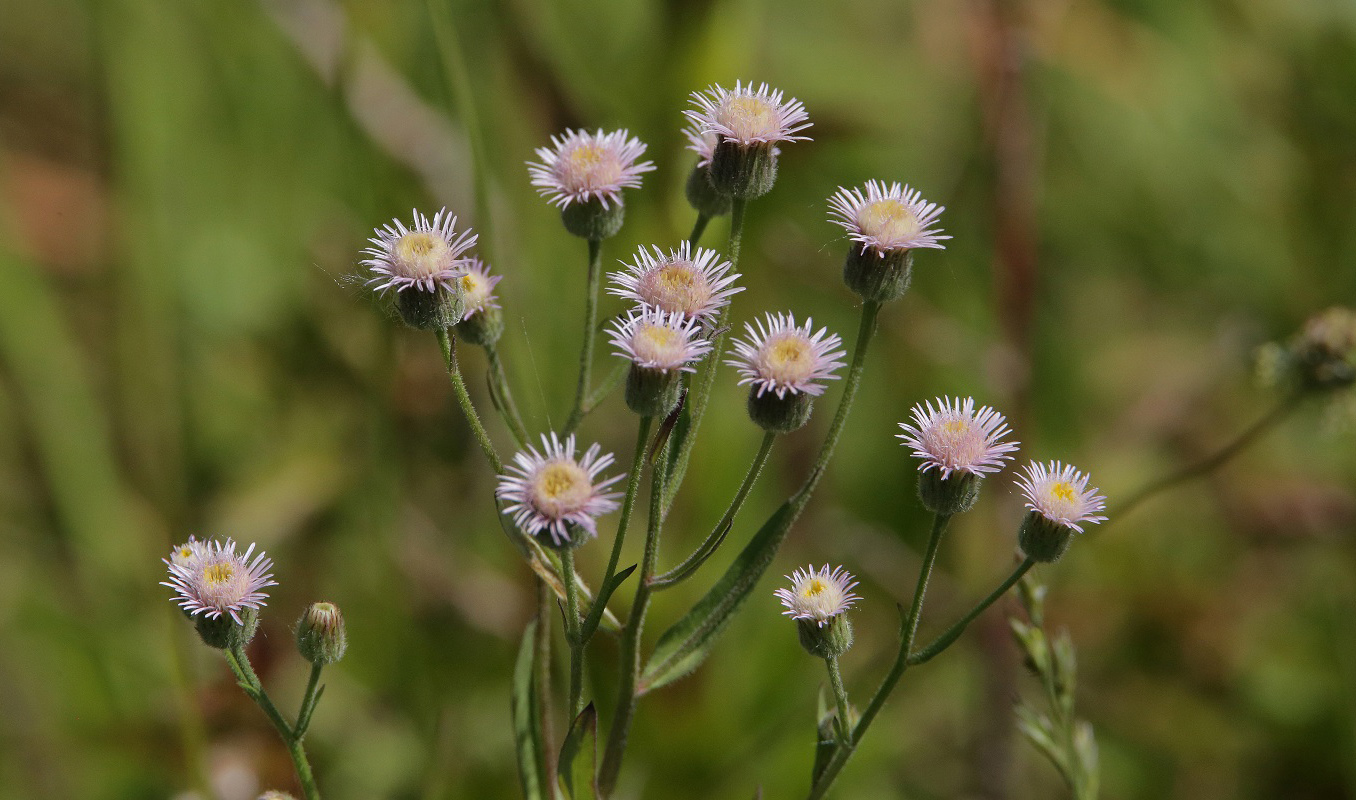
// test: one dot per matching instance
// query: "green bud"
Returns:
(951, 495)
(877, 276)
(832, 639)
(592, 220)
(780, 414)
(223, 632)
(430, 311)
(1043, 539)
(482, 328)
(321, 638)
(653, 392)
(743, 171)
(703, 197)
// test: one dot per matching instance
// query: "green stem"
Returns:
(908, 629)
(713, 541)
(507, 408)
(609, 384)
(840, 695)
(698, 402)
(1212, 461)
(698, 228)
(628, 505)
(572, 632)
(590, 323)
(951, 634)
(308, 702)
(630, 643)
(449, 347)
(541, 661)
(249, 681)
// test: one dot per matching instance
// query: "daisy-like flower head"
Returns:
(221, 581)
(780, 356)
(748, 116)
(695, 286)
(1060, 493)
(658, 340)
(187, 554)
(477, 287)
(703, 143)
(887, 218)
(424, 256)
(818, 595)
(552, 490)
(954, 437)
(580, 166)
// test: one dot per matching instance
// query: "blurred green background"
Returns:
(1140, 191)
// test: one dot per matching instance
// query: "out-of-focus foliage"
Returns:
(184, 188)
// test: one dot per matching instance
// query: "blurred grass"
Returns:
(185, 186)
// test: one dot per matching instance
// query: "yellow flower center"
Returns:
(475, 290)
(219, 574)
(1062, 491)
(676, 288)
(587, 166)
(419, 254)
(749, 117)
(185, 552)
(561, 487)
(787, 359)
(814, 588)
(888, 220)
(955, 426)
(658, 346)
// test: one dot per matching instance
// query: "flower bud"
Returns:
(954, 494)
(876, 275)
(430, 311)
(1043, 539)
(223, 632)
(591, 219)
(702, 196)
(321, 638)
(652, 392)
(779, 414)
(482, 328)
(828, 640)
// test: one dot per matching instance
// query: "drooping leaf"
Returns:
(581, 782)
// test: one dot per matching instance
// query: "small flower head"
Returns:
(887, 218)
(693, 285)
(477, 287)
(748, 116)
(221, 581)
(954, 437)
(553, 491)
(187, 554)
(425, 256)
(1060, 494)
(780, 357)
(658, 340)
(818, 595)
(701, 142)
(580, 166)
(321, 638)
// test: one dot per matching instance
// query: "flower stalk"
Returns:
(239, 663)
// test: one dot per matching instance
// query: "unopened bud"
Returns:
(321, 638)
(702, 196)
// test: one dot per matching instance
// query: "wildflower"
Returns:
(819, 601)
(786, 365)
(1058, 499)
(748, 123)
(424, 256)
(188, 553)
(887, 223)
(661, 346)
(221, 581)
(583, 174)
(483, 322)
(957, 446)
(321, 638)
(695, 285)
(555, 492)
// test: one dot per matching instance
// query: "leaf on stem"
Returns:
(599, 607)
(685, 645)
(583, 735)
(527, 736)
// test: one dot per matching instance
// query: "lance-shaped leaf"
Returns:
(581, 782)
(685, 645)
(526, 724)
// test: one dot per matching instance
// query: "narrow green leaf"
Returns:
(599, 607)
(526, 725)
(583, 736)
(1038, 729)
(685, 645)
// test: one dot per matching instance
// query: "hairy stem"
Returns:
(308, 702)
(581, 391)
(951, 634)
(507, 408)
(449, 347)
(698, 228)
(713, 541)
(572, 632)
(843, 724)
(628, 505)
(249, 681)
